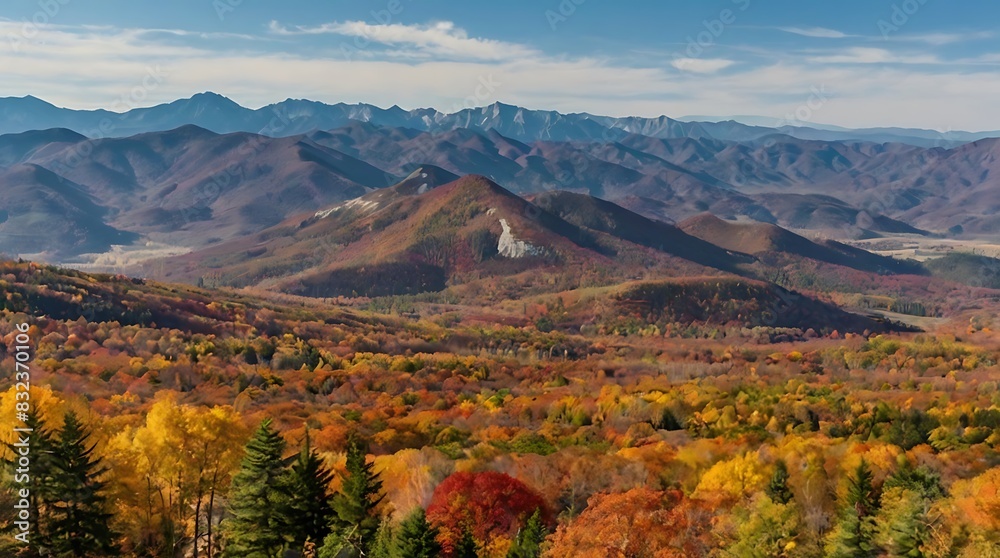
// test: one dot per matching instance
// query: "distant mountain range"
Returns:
(192, 187)
(817, 131)
(704, 221)
(292, 117)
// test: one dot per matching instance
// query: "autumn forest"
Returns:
(174, 420)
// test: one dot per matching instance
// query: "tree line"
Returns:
(277, 506)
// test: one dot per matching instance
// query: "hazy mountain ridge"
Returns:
(189, 186)
(297, 116)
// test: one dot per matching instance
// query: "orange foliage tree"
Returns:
(637, 523)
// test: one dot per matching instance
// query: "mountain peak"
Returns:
(186, 132)
(422, 179)
(31, 102)
(210, 95)
(501, 109)
(479, 184)
(212, 98)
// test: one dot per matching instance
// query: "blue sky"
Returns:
(917, 63)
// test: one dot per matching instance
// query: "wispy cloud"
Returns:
(941, 39)
(815, 32)
(991, 58)
(868, 55)
(203, 34)
(442, 39)
(702, 65)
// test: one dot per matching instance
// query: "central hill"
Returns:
(415, 237)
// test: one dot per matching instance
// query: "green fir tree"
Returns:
(416, 537)
(777, 488)
(384, 545)
(257, 498)
(528, 543)
(308, 514)
(77, 509)
(854, 535)
(466, 546)
(355, 518)
(35, 476)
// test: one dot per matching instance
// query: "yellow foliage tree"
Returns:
(175, 465)
(735, 478)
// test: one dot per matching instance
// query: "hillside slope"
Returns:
(400, 240)
(764, 238)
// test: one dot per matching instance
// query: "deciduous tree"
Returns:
(491, 505)
(640, 522)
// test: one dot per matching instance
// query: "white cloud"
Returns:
(868, 55)
(991, 58)
(203, 35)
(701, 65)
(441, 39)
(815, 32)
(941, 39)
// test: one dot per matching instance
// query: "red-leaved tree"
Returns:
(490, 505)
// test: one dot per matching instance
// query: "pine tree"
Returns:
(854, 535)
(905, 521)
(308, 514)
(78, 515)
(257, 498)
(384, 545)
(37, 479)
(416, 537)
(778, 489)
(921, 479)
(466, 546)
(355, 519)
(528, 543)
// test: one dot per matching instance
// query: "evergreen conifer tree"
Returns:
(416, 537)
(77, 508)
(384, 545)
(308, 514)
(854, 535)
(258, 498)
(355, 519)
(37, 479)
(777, 488)
(466, 546)
(528, 543)
(905, 521)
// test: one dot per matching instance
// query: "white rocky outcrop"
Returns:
(510, 247)
(363, 205)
